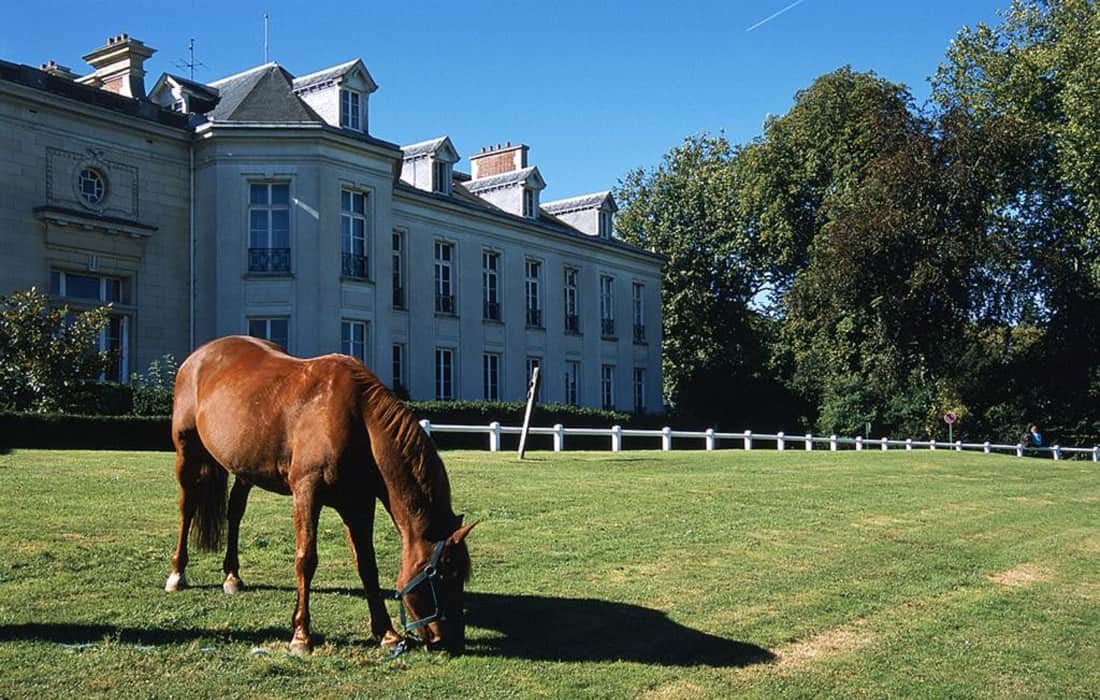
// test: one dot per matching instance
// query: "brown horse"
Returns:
(327, 432)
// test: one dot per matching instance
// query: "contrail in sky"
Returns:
(769, 18)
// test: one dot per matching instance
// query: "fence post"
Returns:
(958, 445)
(809, 442)
(932, 444)
(616, 438)
(1019, 449)
(494, 436)
(559, 437)
(832, 443)
(748, 439)
(986, 446)
(859, 443)
(908, 444)
(1057, 452)
(426, 425)
(884, 445)
(710, 439)
(780, 441)
(666, 439)
(1096, 454)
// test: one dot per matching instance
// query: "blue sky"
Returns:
(595, 88)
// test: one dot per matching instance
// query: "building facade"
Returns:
(261, 204)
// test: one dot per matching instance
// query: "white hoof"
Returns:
(232, 585)
(175, 582)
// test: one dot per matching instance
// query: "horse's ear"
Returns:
(460, 533)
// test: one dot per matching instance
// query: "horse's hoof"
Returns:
(390, 640)
(175, 582)
(232, 585)
(300, 647)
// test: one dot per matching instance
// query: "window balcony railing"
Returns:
(607, 327)
(639, 334)
(444, 303)
(353, 265)
(572, 323)
(269, 259)
(491, 311)
(534, 318)
(398, 297)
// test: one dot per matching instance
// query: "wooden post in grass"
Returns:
(532, 389)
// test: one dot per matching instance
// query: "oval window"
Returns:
(91, 186)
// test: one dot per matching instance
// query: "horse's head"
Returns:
(430, 587)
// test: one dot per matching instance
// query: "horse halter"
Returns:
(431, 575)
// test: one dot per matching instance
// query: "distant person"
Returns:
(1033, 438)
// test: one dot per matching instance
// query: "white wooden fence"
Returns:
(748, 439)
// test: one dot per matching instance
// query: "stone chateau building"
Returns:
(260, 203)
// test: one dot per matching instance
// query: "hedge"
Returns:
(62, 431)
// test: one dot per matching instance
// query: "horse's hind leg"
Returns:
(360, 531)
(186, 474)
(238, 500)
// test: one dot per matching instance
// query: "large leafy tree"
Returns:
(46, 352)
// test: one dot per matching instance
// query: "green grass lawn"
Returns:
(638, 574)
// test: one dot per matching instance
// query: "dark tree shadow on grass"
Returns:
(536, 628)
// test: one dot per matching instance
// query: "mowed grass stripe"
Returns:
(595, 575)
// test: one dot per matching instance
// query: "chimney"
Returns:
(496, 160)
(58, 70)
(119, 66)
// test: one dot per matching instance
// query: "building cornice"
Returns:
(75, 218)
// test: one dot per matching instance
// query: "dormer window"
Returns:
(528, 203)
(351, 111)
(605, 224)
(441, 177)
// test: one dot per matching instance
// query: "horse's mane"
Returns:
(383, 410)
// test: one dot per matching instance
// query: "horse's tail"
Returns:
(210, 507)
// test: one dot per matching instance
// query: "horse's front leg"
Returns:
(238, 501)
(360, 531)
(307, 509)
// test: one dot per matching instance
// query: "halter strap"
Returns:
(429, 574)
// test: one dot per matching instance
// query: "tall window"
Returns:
(569, 287)
(398, 269)
(269, 227)
(607, 386)
(353, 339)
(398, 359)
(444, 277)
(607, 305)
(532, 363)
(115, 338)
(353, 233)
(441, 177)
(638, 301)
(639, 389)
(572, 374)
(533, 285)
(351, 111)
(273, 329)
(490, 285)
(529, 203)
(605, 224)
(490, 376)
(444, 373)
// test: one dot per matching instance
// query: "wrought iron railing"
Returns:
(534, 317)
(572, 323)
(444, 303)
(269, 259)
(607, 327)
(353, 265)
(639, 334)
(491, 311)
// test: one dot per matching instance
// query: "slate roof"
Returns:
(502, 180)
(423, 148)
(323, 76)
(580, 203)
(262, 94)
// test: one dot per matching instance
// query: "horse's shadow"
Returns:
(537, 628)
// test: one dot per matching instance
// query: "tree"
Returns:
(686, 210)
(46, 352)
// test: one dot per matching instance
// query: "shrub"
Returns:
(153, 390)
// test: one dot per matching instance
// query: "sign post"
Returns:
(532, 390)
(950, 419)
